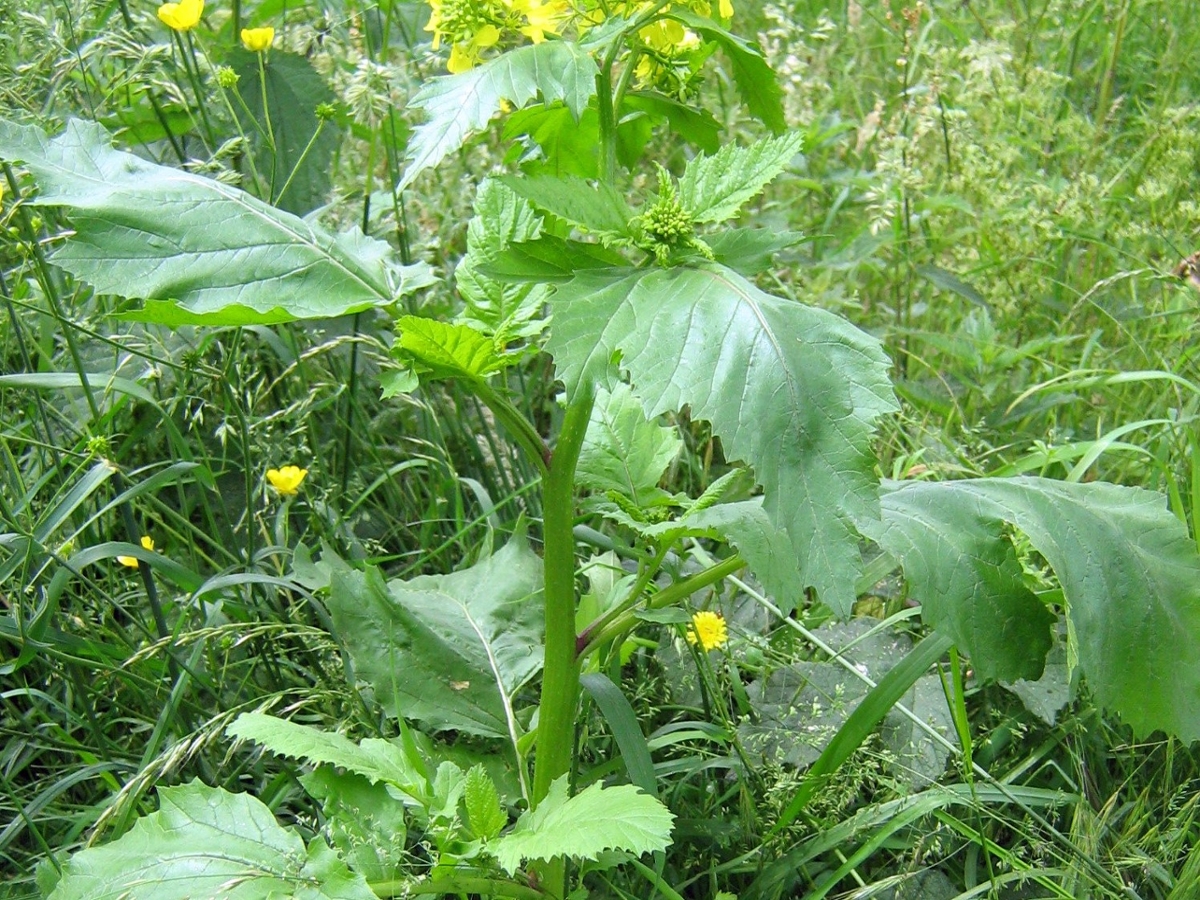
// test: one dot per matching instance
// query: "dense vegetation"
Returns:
(236, 476)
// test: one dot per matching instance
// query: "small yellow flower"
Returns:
(181, 16)
(286, 480)
(725, 8)
(256, 40)
(132, 561)
(708, 630)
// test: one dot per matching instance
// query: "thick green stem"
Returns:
(560, 676)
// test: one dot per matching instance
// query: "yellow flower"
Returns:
(132, 561)
(286, 480)
(256, 40)
(725, 8)
(542, 18)
(181, 16)
(466, 56)
(708, 630)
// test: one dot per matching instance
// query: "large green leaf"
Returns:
(622, 451)
(293, 90)
(713, 188)
(219, 255)
(583, 826)
(375, 759)
(206, 842)
(447, 650)
(789, 389)
(458, 106)
(1128, 570)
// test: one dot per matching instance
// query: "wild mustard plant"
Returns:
(651, 311)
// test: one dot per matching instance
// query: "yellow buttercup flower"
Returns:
(256, 40)
(708, 630)
(181, 16)
(132, 561)
(286, 480)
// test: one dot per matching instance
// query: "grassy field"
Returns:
(1002, 193)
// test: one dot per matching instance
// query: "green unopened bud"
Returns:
(227, 78)
(326, 111)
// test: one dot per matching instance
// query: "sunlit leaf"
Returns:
(597, 819)
(217, 254)
(713, 188)
(458, 106)
(375, 759)
(207, 842)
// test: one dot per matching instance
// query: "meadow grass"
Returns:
(1000, 190)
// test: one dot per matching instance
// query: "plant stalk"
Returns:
(560, 675)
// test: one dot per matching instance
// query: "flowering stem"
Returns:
(560, 676)
(598, 634)
(262, 83)
(296, 168)
(187, 52)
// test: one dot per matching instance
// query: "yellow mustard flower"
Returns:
(725, 9)
(181, 16)
(286, 480)
(541, 18)
(256, 40)
(132, 561)
(465, 55)
(708, 630)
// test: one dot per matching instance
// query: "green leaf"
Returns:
(458, 106)
(448, 650)
(446, 350)
(362, 820)
(969, 581)
(791, 390)
(375, 759)
(548, 260)
(206, 842)
(485, 816)
(597, 209)
(695, 125)
(583, 826)
(948, 281)
(293, 90)
(750, 250)
(713, 188)
(506, 311)
(1128, 570)
(753, 75)
(622, 451)
(767, 550)
(221, 256)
